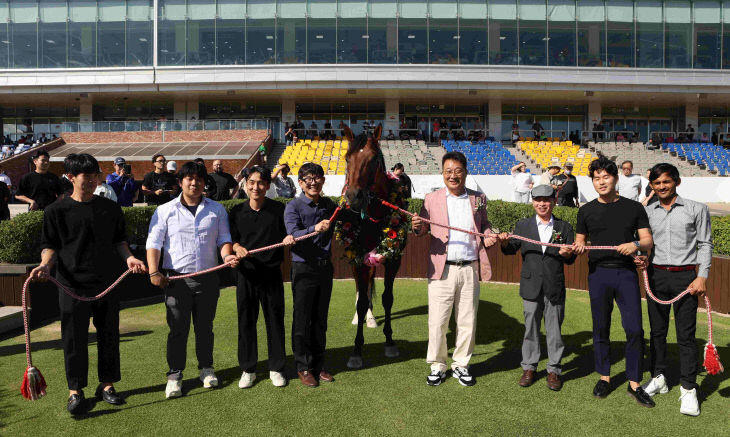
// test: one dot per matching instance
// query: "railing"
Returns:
(165, 125)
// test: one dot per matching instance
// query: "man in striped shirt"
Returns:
(680, 260)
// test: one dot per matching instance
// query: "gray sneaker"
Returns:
(464, 377)
(435, 378)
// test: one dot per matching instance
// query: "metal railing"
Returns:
(165, 125)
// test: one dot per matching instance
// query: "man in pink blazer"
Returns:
(456, 263)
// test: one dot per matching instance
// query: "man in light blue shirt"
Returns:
(189, 230)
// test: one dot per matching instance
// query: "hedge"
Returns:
(20, 237)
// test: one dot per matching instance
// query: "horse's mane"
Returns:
(357, 143)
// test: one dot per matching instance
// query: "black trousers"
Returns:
(75, 317)
(263, 286)
(312, 289)
(195, 298)
(666, 285)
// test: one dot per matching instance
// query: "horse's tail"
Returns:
(372, 291)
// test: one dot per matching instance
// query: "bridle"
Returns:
(368, 189)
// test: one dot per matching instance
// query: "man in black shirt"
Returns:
(612, 220)
(84, 235)
(39, 188)
(210, 185)
(4, 200)
(257, 223)
(568, 187)
(224, 183)
(159, 186)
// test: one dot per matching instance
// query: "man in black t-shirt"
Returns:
(84, 235)
(612, 220)
(211, 187)
(39, 188)
(568, 187)
(159, 186)
(257, 223)
(4, 200)
(225, 183)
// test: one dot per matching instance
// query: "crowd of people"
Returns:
(24, 143)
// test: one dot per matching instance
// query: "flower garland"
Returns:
(392, 240)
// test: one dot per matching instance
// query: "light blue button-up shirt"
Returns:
(189, 244)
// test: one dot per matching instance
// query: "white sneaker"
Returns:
(173, 389)
(656, 385)
(370, 320)
(277, 378)
(208, 377)
(247, 380)
(689, 406)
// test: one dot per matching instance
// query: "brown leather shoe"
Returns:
(554, 382)
(528, 377)
(307, 378)
(325, 376)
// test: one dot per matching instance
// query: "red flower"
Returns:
(346, 226)
(392, 234)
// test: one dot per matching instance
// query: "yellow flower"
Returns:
(386, 230)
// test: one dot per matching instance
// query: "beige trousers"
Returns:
(458, 288)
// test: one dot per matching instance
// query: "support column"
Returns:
(594, 114)
(692, 116)
(192, 108)
(179, 108)
(495, 119)
(85, 112)
(392, 115)
(288, 111)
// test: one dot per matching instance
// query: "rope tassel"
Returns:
(712, 360)
(34, 385)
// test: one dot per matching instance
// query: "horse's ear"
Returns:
(378, 132)
(348, 134)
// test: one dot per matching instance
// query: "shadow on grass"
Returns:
(16, 349)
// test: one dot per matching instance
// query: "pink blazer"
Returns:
(434, 208)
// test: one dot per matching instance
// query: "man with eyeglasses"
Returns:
(311, 274)
(629, 184)
(159, 186)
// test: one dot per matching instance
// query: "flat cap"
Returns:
(543, 191)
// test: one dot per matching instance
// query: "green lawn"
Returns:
(388, 397)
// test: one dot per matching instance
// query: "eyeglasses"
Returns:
(455, 172)
(314, 180)
(161, 160)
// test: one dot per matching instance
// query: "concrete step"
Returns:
(11, 317)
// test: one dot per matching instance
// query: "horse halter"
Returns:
(366, 190)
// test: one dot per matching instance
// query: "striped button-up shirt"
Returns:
(682, 235)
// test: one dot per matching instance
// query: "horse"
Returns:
(366, 182)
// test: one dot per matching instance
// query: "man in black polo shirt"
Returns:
(39, 188)
(225, 183)
(159, 186)
(257, 223)
(84, 235)
(4, 200)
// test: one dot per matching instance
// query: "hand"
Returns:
(416, 223)
(241, 252)
(322, 226)
(579, 248)
(232, 260)
(566, 251)
(289, 240)
(33, 206)
(40, 273)
(641, 262)
(136, 265)
(490, 240)
(159, 280)
(698, 287)
(159, 192)
(627, 249)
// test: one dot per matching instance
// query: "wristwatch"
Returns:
(638, 245)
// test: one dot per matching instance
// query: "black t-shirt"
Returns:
(84, 236)
(43, 188)
(224, 182)
(4, 197)
(159, 181)
(407, 185)
(253, 229)
(210, 186)
(569, 192)
(611, 224)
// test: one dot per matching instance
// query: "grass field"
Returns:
(387, 397)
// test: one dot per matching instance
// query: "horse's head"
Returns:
(365, 169)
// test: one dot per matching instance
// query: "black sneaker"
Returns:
(602, 389)
(642, 398)
(462, 374)
(435, 378)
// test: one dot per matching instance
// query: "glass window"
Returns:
(444, 41)
(82, 33)
(352, 34)
(260, 40)
(4, 38)
(53, 34)
(231, 40)
(139, 32)
(533, 32)
(726, 34)
(561, 33)
(707, 30)
(24, 34)
(503, 32)
(591, 33)
(321, 41)
(678, 34)
(171, 38)
(412, 32)
(473, 32)
(111, 33)
(649, 34)
(200, 47)
(291, 32)
(620, 33)
(382, 41)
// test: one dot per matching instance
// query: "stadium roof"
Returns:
(145, 151)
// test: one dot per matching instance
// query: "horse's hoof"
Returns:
(354, 362)
(354, 320)
(392, 351)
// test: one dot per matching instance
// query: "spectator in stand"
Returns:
(39, 188)
(313, 130)
(283, 185)
(436, 126)
(159, 186)
(705, 138)
(390, 136)
(568, 187)
(210, 185)
(600, 128)
(43, 138)
(649, 195)
(288, 133)
(172, 167)
(537, 129)
(690, 133)
(714, 138)
(620, 137)
(4, 201)
(629, 184)
(406, 184)
(5, 178)
(225, 183)
(523, 182)
(122, 182)
(548, 177)
(423, 128)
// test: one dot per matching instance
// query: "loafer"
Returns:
(109, 396)
(602, 389)
(553, 381)
(306, 377)
(76, 403)
(642, 398)
(325, 376)
(528, 376)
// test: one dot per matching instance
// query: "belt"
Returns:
(318, 262)
(460, 263)
(687, 268)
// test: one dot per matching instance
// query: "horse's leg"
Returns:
(391, 270)
(362, 281)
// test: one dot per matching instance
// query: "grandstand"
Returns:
(713, 158)
(644, 158)
(330, 154)
(546, 153)
(484, 157)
